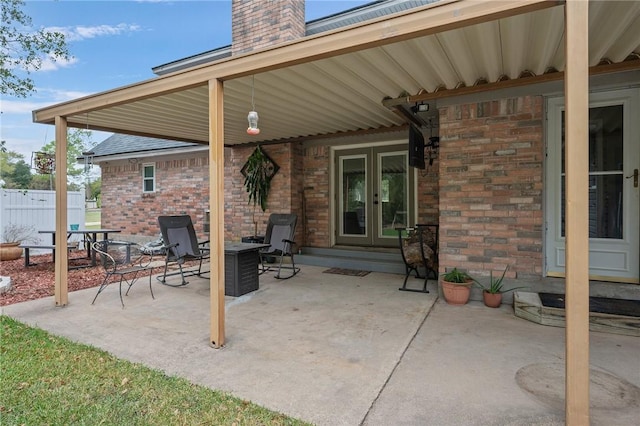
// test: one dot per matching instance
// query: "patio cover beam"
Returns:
(577, 208)
(629, 65)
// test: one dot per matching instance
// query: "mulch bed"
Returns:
(35, 282)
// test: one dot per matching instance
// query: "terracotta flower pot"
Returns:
(492, 300)
(456, 293)
(10, 251)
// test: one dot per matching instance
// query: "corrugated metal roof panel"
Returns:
(345, 92)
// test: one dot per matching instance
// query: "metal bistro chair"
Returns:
(419, 248)
(181, 245)
(123, 260)
(280, 233)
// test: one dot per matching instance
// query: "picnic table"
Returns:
(89, 236)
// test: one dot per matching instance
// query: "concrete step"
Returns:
(374, 260)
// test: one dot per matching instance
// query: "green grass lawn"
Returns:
(91, 218)
(46, 379)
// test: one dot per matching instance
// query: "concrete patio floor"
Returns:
(343, 350)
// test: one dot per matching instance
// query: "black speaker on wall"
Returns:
(416, 147)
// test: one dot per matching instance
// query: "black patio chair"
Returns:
(419, 248)
(123, 260)
(181, 245)
(281, 230)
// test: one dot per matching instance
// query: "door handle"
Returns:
(635, 178)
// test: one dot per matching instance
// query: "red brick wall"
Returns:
(182, 186)
(491, 172)
(428, 195)
(261, 23)
(485, 190)
(285, 195)
(316, 196)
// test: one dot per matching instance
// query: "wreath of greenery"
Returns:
(258, 172)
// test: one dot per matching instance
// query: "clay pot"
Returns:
(492, 300)
(10, 251)
(456, 293)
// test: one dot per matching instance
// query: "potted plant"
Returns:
(456, 287)
(45, 163)
(12, 236)
(492, 294)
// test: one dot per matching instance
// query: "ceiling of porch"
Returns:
(345, 93)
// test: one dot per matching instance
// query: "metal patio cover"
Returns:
(336, 81)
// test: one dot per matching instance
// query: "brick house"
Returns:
(492, 186)
(535, 103)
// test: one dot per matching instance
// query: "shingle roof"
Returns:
(125, 144)
(375, 9)
(362, 13)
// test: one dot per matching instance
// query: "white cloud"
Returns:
(57, 95)
(80, 32)
(21, 107)
(53, 96)
(51, 64)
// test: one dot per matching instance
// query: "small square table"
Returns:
(241, 262)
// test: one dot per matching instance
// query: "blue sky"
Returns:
(115, 43)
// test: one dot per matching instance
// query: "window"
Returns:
(148, 178)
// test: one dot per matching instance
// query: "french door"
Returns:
(614, 205)
(374, 195)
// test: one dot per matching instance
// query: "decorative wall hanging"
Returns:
(258, 172)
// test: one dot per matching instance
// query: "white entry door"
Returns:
(614, 202)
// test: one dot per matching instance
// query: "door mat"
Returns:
(342, 271)
(603, 305)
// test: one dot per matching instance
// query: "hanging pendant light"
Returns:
(253, 115)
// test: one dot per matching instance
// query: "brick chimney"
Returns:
(261, 23)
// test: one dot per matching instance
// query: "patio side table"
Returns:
(241, 262)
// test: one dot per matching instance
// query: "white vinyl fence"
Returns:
(37, 209)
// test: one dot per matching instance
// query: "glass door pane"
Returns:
(605, 172)
(393, 197)
(353, 195)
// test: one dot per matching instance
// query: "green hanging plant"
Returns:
(258, 172)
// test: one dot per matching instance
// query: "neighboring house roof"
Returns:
(130, 146)
(351, 16)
